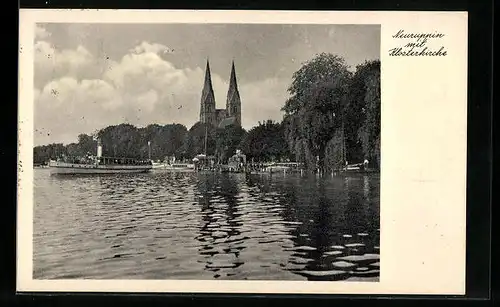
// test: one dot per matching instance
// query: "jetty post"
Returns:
(99, 151)
(149, 150)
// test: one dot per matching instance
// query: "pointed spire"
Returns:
(207, 106)
(208, 77)
(233, 102)
(232, 81)
(233, 86)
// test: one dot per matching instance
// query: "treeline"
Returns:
(332, 116)
(122, 140)
(264, 142)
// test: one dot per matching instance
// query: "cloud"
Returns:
(51, 63)
(41, 32)
(151, 47)
(76, 94)
(66, 107)
(262, 100)
(58, 92)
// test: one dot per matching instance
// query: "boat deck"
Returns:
(58, 167)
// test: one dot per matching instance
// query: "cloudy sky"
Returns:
(89, 76)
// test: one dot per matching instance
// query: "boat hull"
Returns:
(68, 168)
(172, 168)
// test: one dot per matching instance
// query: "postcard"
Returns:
(291, 152)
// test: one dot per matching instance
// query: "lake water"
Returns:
(163, 225)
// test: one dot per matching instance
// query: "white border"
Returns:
(423, 155)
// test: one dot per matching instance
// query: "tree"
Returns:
(86, 144)
(228, 139)
(123, 140)
(356, 109)
(194, 142)
(314, 110)
(42, 154)
(266, 142)
(369, 132)
(165, 140)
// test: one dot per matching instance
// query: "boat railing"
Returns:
(105, 160)
(123, 161)
(180, 165)
(289, 164)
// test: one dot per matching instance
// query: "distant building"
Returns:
(220, 117)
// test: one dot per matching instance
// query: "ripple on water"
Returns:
(333, 253)
(300, 260)
(338, 247)
(303, 248)
(358, 258)
(355, 245)
(369, 273)
(343, 264)
(223, 261)
(192, 226)
(328, 273)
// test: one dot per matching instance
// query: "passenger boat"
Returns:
(106, 165)
(159, 165)
(358, 168)
(181, 166)
(100, 165)
(283, 167)
(174, 166)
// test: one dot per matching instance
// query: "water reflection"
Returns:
(205, 226)
(219, 235)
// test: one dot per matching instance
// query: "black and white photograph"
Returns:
(206, 151)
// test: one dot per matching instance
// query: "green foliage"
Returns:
(126, 140)
(369, 132)
(194, 142)
(362, 113)
(165, 140)
(265, 142)
(333, 152)
(314, 111)
(324, 70)
(228, 139)
(123, 140)
(42, 154)
(332, 114)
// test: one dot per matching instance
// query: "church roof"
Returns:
(232, 79)
(220, 111)
(227, 122)
(208, 76)
(207, 86)
(233, 95)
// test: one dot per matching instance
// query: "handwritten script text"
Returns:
(418, 44)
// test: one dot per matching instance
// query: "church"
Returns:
(220, 118)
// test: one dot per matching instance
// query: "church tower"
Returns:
(233, 102)
(207, 106)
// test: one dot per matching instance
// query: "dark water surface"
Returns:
(206, 226)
